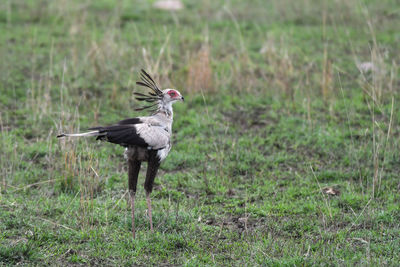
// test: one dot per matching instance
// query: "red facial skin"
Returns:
(173, 94)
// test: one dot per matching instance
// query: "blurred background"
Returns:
(286, 151)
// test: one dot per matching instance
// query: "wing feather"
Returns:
(124, 135)
(135, 132)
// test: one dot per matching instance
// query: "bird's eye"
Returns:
(172, 93)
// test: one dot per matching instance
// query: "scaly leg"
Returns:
(149, 209)
(132, 197)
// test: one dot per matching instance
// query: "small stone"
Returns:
(172, 5)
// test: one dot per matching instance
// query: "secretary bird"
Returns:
(145, 138)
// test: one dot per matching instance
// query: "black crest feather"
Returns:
(154, 96)
(148, 82)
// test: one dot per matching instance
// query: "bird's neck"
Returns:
(166, 109)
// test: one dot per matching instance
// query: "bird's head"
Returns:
(171, 95)
(157, 97)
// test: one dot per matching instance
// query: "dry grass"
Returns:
(200, 72)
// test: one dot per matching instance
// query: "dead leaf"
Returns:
(331, 191)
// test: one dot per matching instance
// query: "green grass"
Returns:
(285, 114)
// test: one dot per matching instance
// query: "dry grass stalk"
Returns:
(285, 74)
(160, 66)
(199, 75)
(327, 77)
(281, 66)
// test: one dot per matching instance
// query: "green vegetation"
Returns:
(286, 100)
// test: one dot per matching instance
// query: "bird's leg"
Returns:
(149, 209)
(152, 169)
(132, 198)
(133, 172)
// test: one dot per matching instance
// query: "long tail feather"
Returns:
(91, 133)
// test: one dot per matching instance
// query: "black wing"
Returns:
(130, 121)
(124, 135)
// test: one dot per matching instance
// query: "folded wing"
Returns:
(156, 136)
(140, 134)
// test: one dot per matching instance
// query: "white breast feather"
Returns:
(163, 153)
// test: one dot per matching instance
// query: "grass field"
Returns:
(284, 100)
